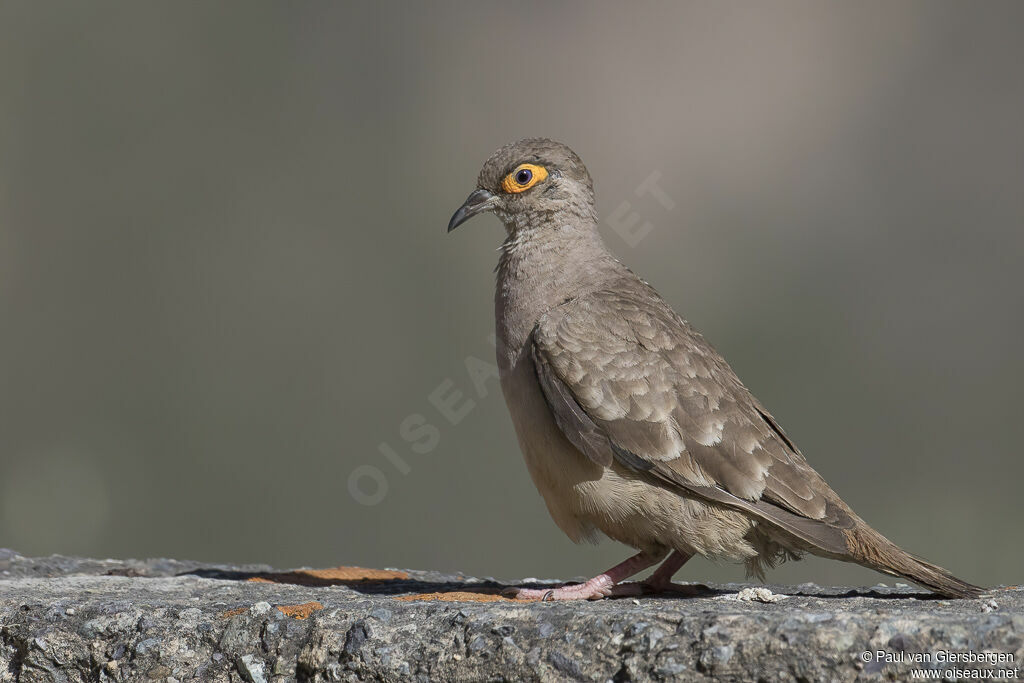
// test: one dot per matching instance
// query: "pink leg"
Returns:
(662, 576)
(601, 586)
(661, 579)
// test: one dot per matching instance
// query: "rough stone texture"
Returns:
(66, 619)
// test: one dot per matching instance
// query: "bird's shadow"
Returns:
(401, 584)
(370, 583)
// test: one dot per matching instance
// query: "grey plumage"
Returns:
(630, 423)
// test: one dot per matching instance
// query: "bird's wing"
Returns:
(628, 380)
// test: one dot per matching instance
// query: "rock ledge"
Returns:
(68, 619)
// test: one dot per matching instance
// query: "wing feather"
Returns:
(628, 379)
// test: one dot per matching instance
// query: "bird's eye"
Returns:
(523, 178)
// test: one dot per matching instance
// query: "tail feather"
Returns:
(872, 549)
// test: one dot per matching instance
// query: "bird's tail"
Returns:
(872, 549)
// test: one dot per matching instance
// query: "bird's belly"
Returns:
(558, 470)
(584, 498)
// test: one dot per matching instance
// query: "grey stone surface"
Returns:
(68, 619)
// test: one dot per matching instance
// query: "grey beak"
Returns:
(477, 202)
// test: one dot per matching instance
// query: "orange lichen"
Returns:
(355, 574)
(336, 576)
(234, 612)
(303, 611)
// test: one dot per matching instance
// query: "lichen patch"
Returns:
(303, 611)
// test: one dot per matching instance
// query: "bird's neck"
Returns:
(540, 268)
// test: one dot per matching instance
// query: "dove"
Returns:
(631, 425)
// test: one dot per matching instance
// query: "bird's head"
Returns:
(528, 182)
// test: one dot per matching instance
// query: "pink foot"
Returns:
(601, 586)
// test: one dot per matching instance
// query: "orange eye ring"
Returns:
(523, 178)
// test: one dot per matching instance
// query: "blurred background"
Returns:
(230, 314)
